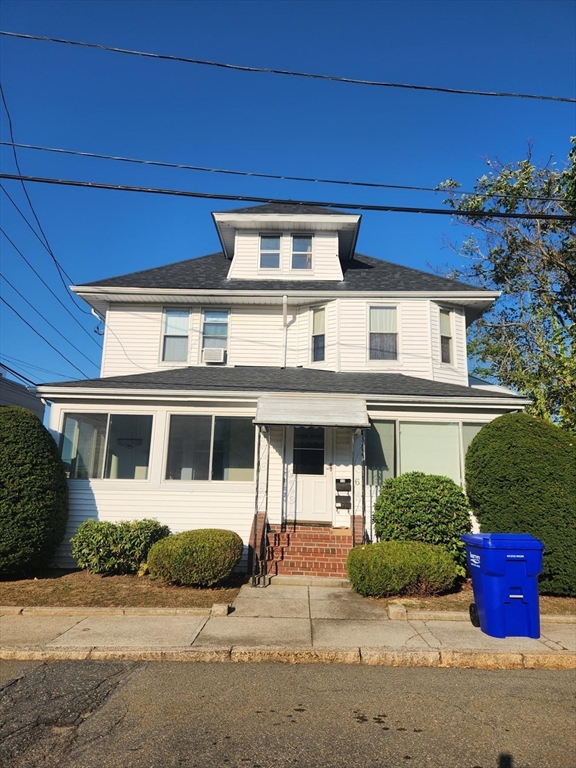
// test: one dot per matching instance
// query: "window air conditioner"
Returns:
(213, 355)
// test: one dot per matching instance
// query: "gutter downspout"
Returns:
(285, 324)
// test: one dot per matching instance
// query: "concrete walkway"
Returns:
(283, 622)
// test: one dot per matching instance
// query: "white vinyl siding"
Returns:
(257, 336)
(133, 340)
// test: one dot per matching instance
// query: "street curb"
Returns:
(398, 612)
(561, 660)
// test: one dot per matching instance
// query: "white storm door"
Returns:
(312, 473)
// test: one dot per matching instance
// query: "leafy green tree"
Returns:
(526, 341)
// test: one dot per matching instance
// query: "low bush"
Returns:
(195, 558)
(33, 492)
(521, 478)
(400, 568)
(427, 508)
(104, 547)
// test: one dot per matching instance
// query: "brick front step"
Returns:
(309, 550)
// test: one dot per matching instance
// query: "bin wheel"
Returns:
(474, 617)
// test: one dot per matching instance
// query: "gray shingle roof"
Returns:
(287, 208)
(269, 379)
(362, 273)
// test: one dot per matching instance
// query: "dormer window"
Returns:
(269, 251)
(302, 252)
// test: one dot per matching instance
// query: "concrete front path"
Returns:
(291, 623)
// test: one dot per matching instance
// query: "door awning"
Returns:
(318, 411)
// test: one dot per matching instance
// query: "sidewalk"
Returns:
(283, 622)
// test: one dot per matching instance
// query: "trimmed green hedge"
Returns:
(196, 558)
(104, 547)
(33, 492)
(427, 508)
(400, 568)
(521, 478)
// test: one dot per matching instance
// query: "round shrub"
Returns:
(104, 547)
(33, 492)
(427, 508)
(195, 558)
(400, 568)
(521, 478)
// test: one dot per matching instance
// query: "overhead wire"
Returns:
(31, 366)
(287, 72)
(66, 339)
(19, 375)
(59, 268)
(39, 276)
(253, 174)
(473, 214)
(3, 300)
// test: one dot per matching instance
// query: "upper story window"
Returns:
(175, 343)
(269, 251)
(302, 252)
(383, 344)
(215, 329)
(446, 335)
(318, 334)
(100, 445)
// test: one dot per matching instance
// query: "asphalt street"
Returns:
(100, 714)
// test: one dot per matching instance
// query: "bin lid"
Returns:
(502, 540)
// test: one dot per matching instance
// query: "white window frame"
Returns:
(385, 363)
(273, 270)
(313, 310)
(450, 312)
(301, 236)
(163, 335)
(202, 336)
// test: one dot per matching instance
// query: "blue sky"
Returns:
(96, 101)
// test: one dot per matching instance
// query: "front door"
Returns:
(312, 449)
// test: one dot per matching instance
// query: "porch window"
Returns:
(469, 432)
(269, 252)
(308, 451)
(430, 448)
(111, 446)
(210, 448)
(383, 343)
(175, 344)
(301, 253)
(318, 334)
(380, 452)
(446, 335)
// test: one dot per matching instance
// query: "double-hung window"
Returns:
(210, 448)
(215, 329)
(318, 334)
(269, 251)
(446, 335)
(175, 342)
(301, 252)
(383, 341)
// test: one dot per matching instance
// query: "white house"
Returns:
(270, 388)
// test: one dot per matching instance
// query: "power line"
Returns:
(25, 364)
(182, 166)
(60, 269)
(291, 73)
(282, 201)
(46, 320)
(19, 252)
(19, 375)
(3, 300)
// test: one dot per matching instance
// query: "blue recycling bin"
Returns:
(505, 569)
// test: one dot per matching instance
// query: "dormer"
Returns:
(287, 242)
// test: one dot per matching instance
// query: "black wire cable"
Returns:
(20, 376)
(39, 276)
(282, 201)
(291, 73)
(25, 364)
(66, 339)
(60, 269)
(3, 300)
(182, 166)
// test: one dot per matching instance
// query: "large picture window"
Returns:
(210, 448)
(430, 448)
(110, 446)
(383, 344)
(380, 452)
